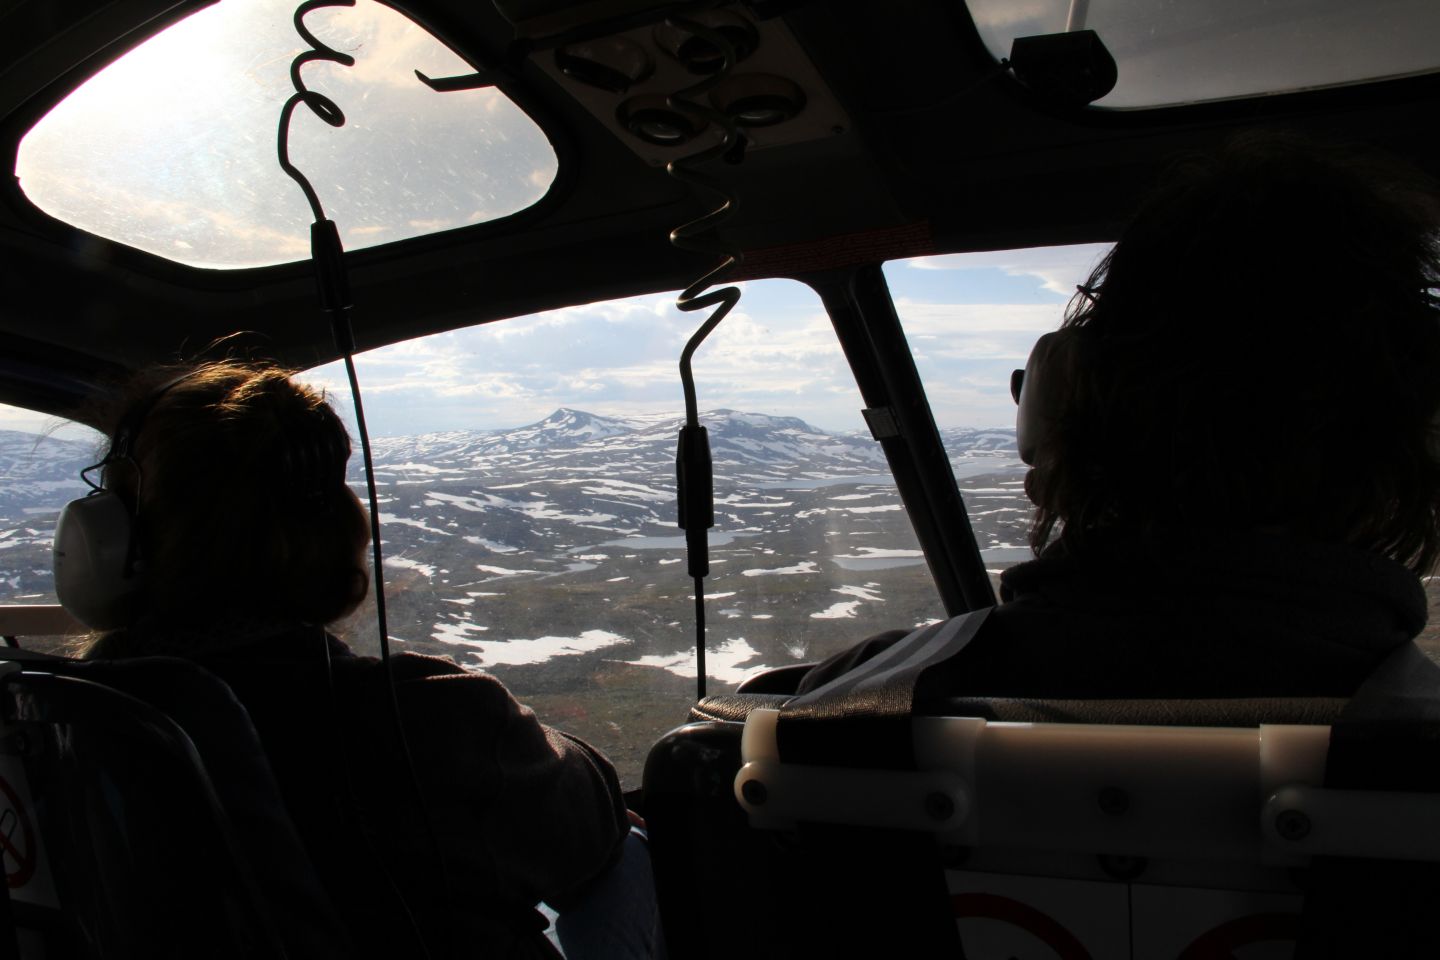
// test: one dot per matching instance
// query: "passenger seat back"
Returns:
(1134, 829)
(144, 820)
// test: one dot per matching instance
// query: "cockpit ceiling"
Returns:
(921, 137)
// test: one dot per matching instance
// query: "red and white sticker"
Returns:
(1002, 916)
(1017, 917)
(27, 873)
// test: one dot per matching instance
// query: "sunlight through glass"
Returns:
(171, 149)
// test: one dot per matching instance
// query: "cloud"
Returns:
(387, 46)
(29, 421)
(192, 230)
(1007, 16)
(618, 357)
(954, 331)
(1058, 268)
(979, 397)
(776, 353)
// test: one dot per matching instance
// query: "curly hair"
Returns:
(1260, 349)
(236, 481)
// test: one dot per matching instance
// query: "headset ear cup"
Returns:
(1042, 391)
(91, 559)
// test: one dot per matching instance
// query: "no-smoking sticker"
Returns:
(19, 849)
(26, 871)
(1030, 917)
(1039, 918)
(1022, 917)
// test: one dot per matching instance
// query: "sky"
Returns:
(172, 149)
(970, 319)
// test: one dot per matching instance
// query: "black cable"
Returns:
(319, 104)
(352, 798)
(699, 639)
(333, 291)
(693, 469)
(372, 496)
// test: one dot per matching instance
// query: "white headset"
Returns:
(96, 561)
(1038, 391)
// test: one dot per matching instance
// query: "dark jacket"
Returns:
(1253, 615)
(520, 812)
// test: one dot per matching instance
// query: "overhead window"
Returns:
(1170, 53)
(171, 149)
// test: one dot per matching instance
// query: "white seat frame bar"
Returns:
(1211, 793)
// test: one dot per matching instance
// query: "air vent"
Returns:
(699, 55)
(612, 64)
(624, 79)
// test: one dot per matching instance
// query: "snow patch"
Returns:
(491, 545)
(404, 563)
(417, 524)
(514, 653)
(501, 571)
(804, 566)
(456, 633)
(722, 663)
(839, 611)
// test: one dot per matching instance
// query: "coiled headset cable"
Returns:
(334, 295)
(694, 472)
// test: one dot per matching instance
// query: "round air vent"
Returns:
(758, 99)
(607, 63)
(653, 120)
(699, 54)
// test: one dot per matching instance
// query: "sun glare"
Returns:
(162, 72)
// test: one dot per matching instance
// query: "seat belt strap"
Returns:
(862, 717)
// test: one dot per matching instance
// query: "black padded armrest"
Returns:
(1227, 712)
(784, 679)
(735, 707)
(1218, 712)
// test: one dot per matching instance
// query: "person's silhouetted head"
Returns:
(236, 482)
(1261, 349)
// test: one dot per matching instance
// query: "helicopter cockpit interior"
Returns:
(556, 234)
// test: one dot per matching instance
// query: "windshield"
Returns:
(40, 462)
(527, 483)
(970, 320)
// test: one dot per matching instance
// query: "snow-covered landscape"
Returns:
(549, 555)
